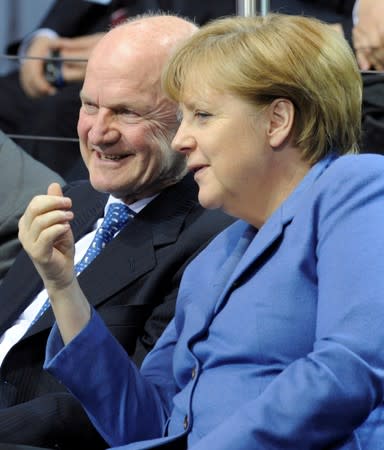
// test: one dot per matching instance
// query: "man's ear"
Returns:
(281, 118)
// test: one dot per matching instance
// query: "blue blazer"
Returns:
(278, 338)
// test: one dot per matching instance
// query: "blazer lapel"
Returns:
(263, 241)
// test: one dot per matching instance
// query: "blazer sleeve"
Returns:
(135, 392)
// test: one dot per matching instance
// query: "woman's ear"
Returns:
(281, 118)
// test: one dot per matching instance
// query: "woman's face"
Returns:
(225, 140)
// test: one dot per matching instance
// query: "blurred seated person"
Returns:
(368, 41)
(137, 224)
(337, 13)
(30, 105)
(33, 106)
(365, 33)
(277, 337)
(368, 34)
(22, 177)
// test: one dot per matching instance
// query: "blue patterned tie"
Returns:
(116, 218)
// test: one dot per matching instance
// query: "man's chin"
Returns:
(102, 184)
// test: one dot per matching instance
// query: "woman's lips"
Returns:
(197, 170)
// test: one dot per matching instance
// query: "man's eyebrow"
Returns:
(84, 97)
(115, 106)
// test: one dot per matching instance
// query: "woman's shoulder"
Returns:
(348, 181)
(360, 165)
(353, 171)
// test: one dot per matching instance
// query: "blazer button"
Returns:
(193, 373)
(185, 422)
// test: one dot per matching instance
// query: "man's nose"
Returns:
(103, 130)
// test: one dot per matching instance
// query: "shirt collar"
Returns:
(136, 206)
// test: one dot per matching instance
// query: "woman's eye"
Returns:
(202, 114)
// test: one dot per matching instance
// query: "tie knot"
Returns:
(116, 217)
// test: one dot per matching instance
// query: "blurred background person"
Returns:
(334, 12)
(17, 19)
(368, 42)
(368, 34)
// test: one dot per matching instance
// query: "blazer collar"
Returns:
(257, 244)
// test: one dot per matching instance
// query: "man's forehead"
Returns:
(109, 95)
(121, 93)
(128, 63)
(125, 73)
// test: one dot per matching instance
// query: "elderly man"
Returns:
(125, 127)
(72, 28)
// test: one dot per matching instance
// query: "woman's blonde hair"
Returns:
(278, 56)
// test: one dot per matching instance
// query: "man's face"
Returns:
(123, 117)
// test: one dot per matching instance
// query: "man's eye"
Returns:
(90, 108)
(127, 112)
(127, 115)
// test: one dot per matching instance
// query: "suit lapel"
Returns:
(132, 253)
(14, 296)
(88, 206)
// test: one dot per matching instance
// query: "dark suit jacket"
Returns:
(133, 284)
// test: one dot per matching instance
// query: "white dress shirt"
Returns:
(21, 325)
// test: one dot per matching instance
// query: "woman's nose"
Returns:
(183, 141)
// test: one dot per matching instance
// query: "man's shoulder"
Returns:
(182, 198)
(176, 214)
(82, 191)
(202, 223)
